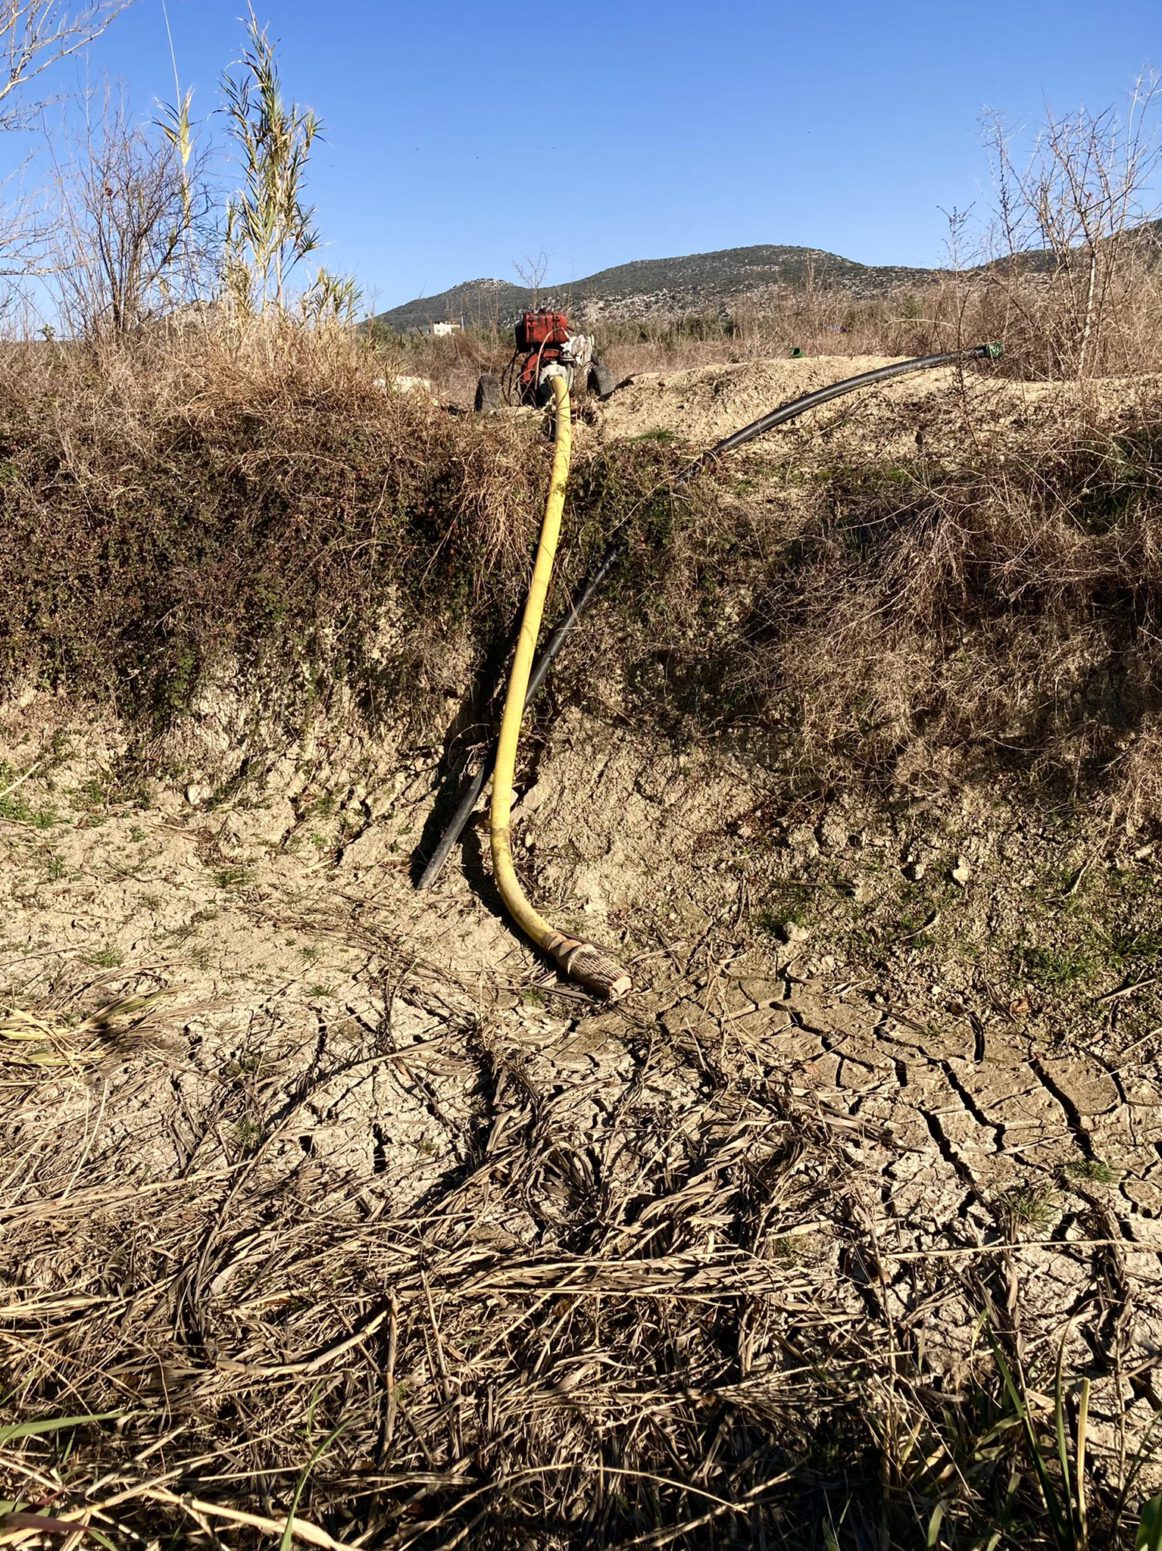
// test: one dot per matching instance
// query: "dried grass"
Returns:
(546, 1352)
(1005, 611)
(247, 501)
(636, 1312)
(613, 1335)
(240, 512)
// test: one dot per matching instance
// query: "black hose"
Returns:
(798, 406)
(613, 553)
(471, 796)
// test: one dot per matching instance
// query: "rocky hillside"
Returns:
(706, 282)
(698, 282)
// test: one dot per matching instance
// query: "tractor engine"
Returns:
(550, 349)
(546, 346)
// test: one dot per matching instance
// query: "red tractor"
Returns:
(546, 346)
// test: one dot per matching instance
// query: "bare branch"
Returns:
(37, 34)
(136, 227)
(1069, 217)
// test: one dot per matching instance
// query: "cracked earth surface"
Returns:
(979, 1158)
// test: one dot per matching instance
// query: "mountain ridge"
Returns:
(645, 287)
(713, 281)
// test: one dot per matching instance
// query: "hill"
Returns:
(695, 283)
(705, 282)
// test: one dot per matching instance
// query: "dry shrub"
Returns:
(1007, 611)
(250, 496)
(1026, 304)
(1034, 312)
(243, 505)
(817, 323)
(453, 363)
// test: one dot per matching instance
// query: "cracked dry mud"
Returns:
(976, 1158)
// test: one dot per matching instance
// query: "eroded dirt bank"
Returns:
(324, 1196)
(701, 404)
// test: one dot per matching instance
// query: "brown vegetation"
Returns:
(1032, 312)
(244, 501)
(538, 1349)
(248, 506)
(1000, 609)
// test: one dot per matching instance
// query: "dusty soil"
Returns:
(999, 1138)
(703, 404)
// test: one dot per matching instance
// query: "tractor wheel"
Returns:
(601, 380)
(488, 395)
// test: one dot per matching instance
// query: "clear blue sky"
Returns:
(463, 135)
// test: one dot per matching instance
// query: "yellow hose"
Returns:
(581, 961)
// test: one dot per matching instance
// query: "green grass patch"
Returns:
(17, 810)
(1056, 968)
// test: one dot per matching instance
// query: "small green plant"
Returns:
(248, 1064)
(1149, 1534)
(1055, 968)
(286, 1540)
(177, 935)
(17, 810)
(1129, 948)
(794, 1249)
(787, 904)
(1090, 1171)
(13, 1431)
(104, 958)
(917, 929)
(1065, 1499)
(248, 1136)
(232, 878)
(1034, 1207)
(92, 794)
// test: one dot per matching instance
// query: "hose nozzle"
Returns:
(590, 967)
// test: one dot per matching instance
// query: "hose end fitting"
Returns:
(992, 352)
(591, 967)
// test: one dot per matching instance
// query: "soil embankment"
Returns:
(285, 1136)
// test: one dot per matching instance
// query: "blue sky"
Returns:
(462, 136)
